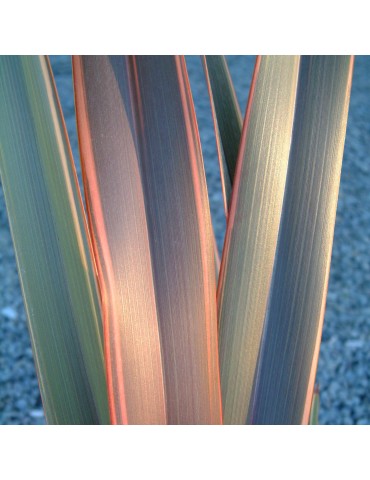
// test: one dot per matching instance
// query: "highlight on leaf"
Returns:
(283, 389)
(129, 318)
(150, 221)
(252, 229)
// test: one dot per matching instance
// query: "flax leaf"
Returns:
(150, 220)
(51, 244)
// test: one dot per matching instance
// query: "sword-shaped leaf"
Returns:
(314, 414)
(227, 119)
(252, 230)
(150, 221)
(292, 333)
(51, 246)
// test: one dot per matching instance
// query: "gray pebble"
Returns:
(9, 313)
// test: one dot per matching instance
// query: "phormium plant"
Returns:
(130, 320)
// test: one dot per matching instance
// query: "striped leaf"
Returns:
(51, 246)
(227, 120)
(150, 221)
(314, 413)
(252, 230)
(283, 390)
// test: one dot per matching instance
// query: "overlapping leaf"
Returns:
(52, 251)
(291, 338)
(150, 221)
(227, 120)
(252, 229)
(153, 241)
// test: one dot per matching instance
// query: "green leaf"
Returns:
(314, 413)
(252, 229)
(51, 246)
(227, 119)
(150, 221)
(282, 393)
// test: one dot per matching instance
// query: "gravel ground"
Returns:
(344, 372)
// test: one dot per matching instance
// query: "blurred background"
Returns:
(344, 364)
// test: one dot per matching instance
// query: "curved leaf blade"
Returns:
(143, 173)
(51, 244)
(291, 339)
(116, 212)
(252, 230)
(227, 119)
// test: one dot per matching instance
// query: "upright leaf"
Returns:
(294, 319)
(314, 413)
(252, 230)
(150, 220)
(227, 119)
(51, 246)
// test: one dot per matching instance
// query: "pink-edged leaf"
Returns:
(252, 229)
(51, 244)
(150, 222)
(285, 377)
